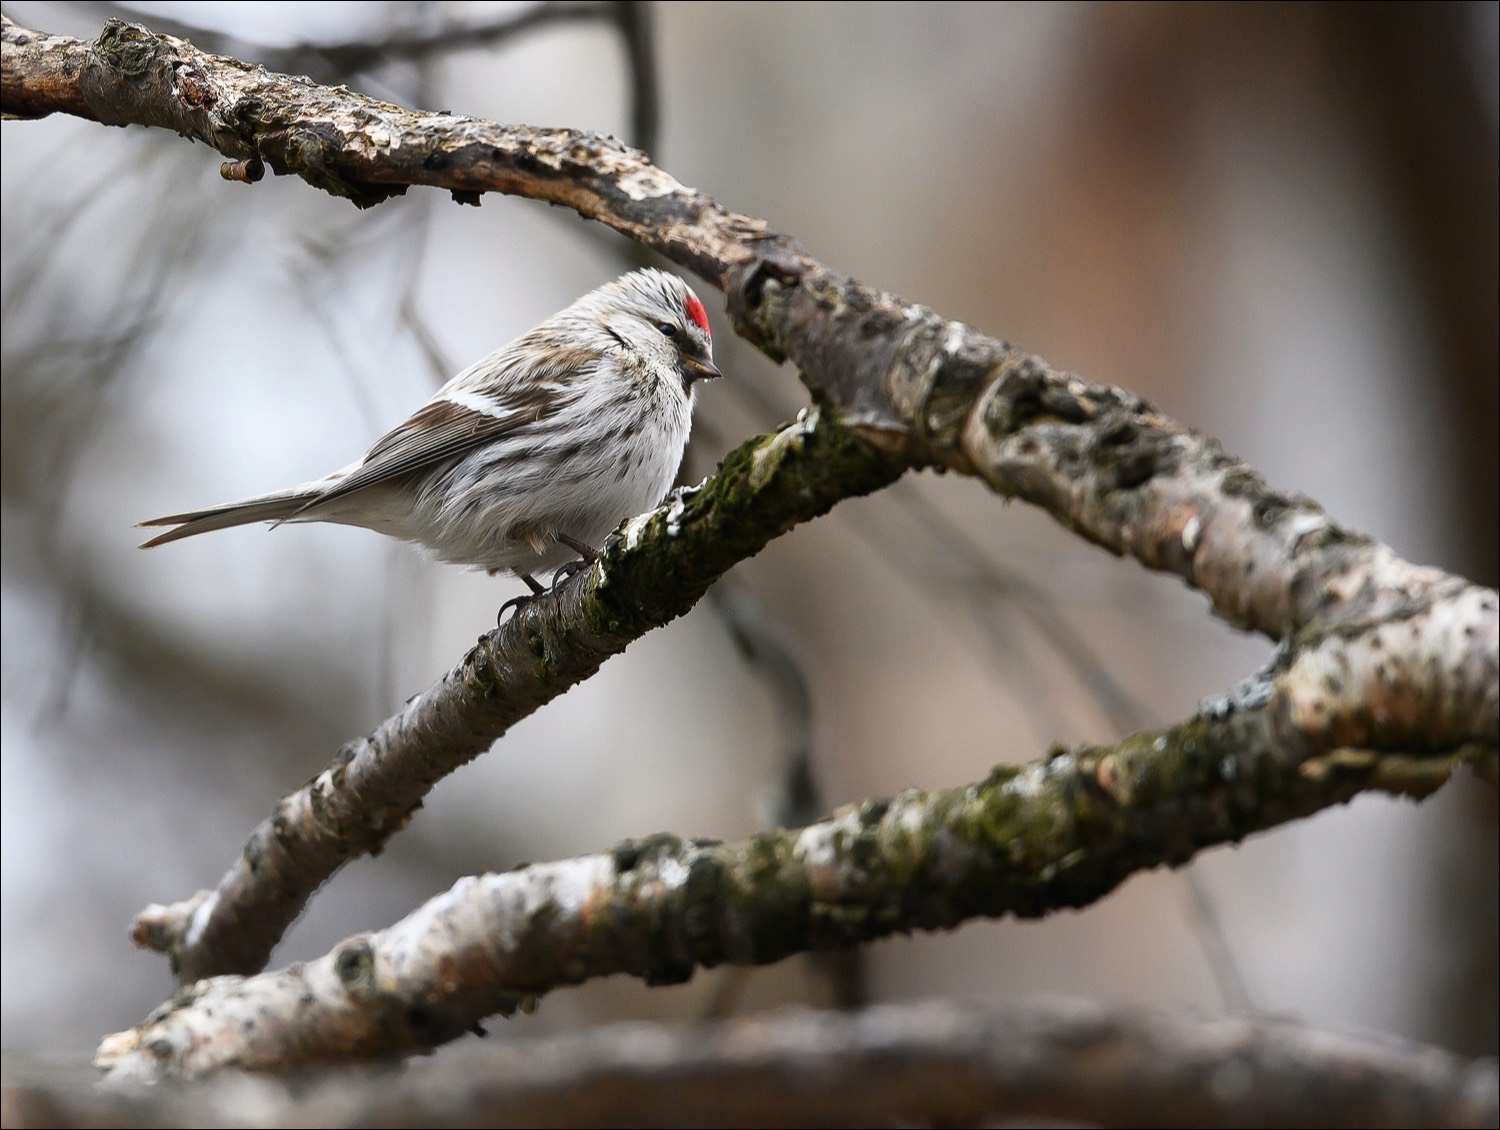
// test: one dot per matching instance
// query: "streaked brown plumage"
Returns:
(539, 449)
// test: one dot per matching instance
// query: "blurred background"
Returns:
(1277, 222)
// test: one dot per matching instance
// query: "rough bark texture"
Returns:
(1029, 839)
(1386, 675)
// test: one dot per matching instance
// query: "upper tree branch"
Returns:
(1101, 460)
(1379, 654)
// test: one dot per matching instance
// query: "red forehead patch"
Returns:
(696, 312)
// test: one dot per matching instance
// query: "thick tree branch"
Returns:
(1025, 841)
(1100, 460)
(925, 1064)
(1379, 656)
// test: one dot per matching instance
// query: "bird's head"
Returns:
(655, 314)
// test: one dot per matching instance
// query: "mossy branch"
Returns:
(1059, 832)
(1387, 671)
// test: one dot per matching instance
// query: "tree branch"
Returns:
(918, 1064)
(1027, 840)
(1102, 461)
(658, 570)
(1378, 657)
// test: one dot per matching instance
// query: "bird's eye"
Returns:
(667, 328)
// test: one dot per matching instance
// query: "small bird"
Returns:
(530, 456)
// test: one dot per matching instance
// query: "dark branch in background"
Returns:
(796, 799)
(928, 1064)
(339, 61)
(351, 57)
(635, 20)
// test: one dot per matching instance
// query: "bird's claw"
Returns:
(520, 602)
(515, 602)
(566, 570)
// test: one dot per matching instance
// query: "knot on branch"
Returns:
(354, 963)
(755, 286)
(1031, 392)
(129, 49)
(128, 55)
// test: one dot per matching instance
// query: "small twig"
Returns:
(247, 171)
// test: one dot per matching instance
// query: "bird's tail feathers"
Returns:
(276, 508)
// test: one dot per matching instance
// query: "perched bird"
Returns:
(530, 456)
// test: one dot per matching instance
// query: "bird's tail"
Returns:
(267, 508)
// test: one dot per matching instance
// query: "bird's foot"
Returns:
(566, 570)
(520, 602)
(517, 603)
(587, 556)
(582, 548)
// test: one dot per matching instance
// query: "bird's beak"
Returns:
(697, 369)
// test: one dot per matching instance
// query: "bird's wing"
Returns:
(461, 417)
